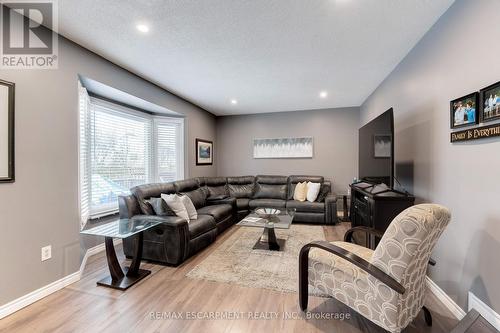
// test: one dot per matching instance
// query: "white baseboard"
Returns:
(484, 310)
(38, 294)
(51, 288)
(446, 300)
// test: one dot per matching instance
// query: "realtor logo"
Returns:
(29, 34)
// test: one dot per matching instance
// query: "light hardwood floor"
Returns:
(84, 307)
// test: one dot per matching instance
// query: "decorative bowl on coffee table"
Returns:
(266, 213)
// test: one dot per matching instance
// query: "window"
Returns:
(121, 148)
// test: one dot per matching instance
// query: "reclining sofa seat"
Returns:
(242, 189)
(270, 192)
(218, 203)
(167, 242)
(308, 212)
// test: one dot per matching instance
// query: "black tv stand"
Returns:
(375, 206)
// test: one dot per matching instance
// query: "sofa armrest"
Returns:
(217, 201)
(128, 206)
(331, 209)
(225, 201)
(167, 242)
(218, 197)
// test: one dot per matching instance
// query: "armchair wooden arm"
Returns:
(344, 254)
(350, 232)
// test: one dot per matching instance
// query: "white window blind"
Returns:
(120, 154)
(121, 148)
(169, 154)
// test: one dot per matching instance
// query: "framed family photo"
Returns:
(6, 131)
(204, 152)
(490, 102)
(464, 110)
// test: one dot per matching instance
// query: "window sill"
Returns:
(103, 219)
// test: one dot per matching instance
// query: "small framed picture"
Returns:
(490, 102)
(382, 146)
(463, 111)
(204, 152)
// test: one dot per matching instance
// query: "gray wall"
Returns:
(41, 207)
(459, 55)
(335, 133)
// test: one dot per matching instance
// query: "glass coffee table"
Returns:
(123, 228)
(269, 219)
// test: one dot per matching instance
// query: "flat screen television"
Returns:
(376, 150)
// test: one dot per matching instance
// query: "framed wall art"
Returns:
(204, 152)
(301, 147)
(6, 131)
(382, 146)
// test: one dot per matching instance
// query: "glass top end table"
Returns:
(123, 228)
(269, 219)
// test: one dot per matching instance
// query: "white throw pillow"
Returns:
(313, 191)
(191, 210)
(176, 205)
(300, 192)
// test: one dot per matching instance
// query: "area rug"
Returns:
(234, 261)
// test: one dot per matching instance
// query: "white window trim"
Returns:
(84, 215)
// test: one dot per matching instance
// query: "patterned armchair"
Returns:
(387, 285)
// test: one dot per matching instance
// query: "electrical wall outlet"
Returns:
(46, 252)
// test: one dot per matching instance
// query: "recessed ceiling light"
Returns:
(234, 102)
(323, 94)
(142, 28)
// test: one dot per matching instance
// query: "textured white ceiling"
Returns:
(270, 55)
